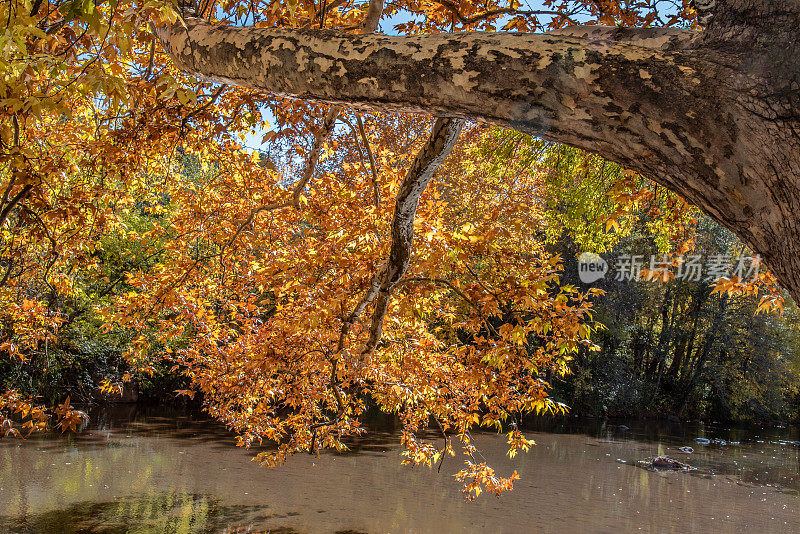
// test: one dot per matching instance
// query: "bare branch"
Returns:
(375, 192)
(311, 166)
(205, 106)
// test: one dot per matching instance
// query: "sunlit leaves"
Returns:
(69, 419)
(128, 199)
(20, 416)
(479, 477)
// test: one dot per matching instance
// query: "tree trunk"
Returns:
(714, 116)
(663, 335)
(677, 356)
(711, 339)
(701, 294)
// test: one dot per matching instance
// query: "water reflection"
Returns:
(178, 513)
(762, 456)
(161, 472)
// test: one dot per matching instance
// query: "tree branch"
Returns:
(308, 172)
(373, 18)
(711, 115)
(375, 193)
(13, 202)
(607, 91)
(440, 143)
(453, 8)
(205, 106)
(705, 10)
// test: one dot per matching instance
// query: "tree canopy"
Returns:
(357, 257)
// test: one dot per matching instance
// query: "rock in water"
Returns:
(664, 462)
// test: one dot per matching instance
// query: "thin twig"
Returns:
(375, 192)
(311, 165)
(453, 8)
(205, 106)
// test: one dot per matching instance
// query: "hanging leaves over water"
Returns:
(296, 285)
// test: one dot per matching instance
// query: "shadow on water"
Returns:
(110, 425)
(660, 430)
(138, 421)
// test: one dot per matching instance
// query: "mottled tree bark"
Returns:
(440, 143)
(713, 115)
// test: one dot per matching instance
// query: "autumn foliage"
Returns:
(129, 197)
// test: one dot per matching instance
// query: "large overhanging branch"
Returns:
(715, 122)
(607, 96)
(496, 77)
(637, 97)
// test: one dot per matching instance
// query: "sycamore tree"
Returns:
(709, 111)
(361, 257)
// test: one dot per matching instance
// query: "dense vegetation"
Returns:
(424, 268)
(680, 350)
(668, 348)
(674, 348)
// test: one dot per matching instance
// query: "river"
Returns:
(151, 472)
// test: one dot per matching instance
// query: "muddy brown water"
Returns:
(152, 473)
